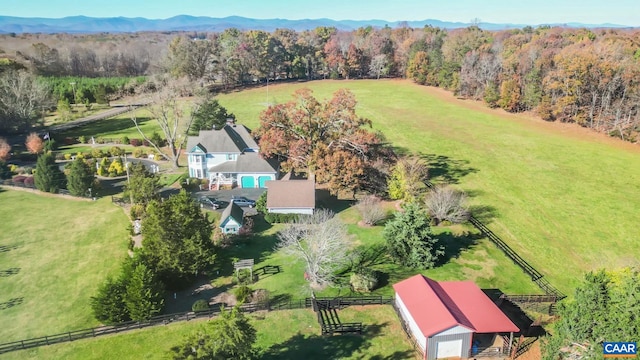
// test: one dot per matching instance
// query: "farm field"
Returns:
(54, 252)
(566, 199)
(288, 334)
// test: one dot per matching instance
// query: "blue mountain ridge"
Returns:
(85, 24)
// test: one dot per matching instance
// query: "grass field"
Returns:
(564, 198)
(290, 334)
(115, 127)
(54, 252)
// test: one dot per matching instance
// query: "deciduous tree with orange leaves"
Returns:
(34, 143)
(327, 138)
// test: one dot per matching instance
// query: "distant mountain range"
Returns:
(84, 24)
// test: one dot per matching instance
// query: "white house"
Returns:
(228, 156)
(232, 219)
(291, 196)
(452, 319)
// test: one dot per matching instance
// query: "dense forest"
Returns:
(583, 76)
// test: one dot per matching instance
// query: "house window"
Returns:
(231, 156)
(198, 173)
(231, 230)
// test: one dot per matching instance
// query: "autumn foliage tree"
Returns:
(327, 138)
(34, 143)
(5, 149)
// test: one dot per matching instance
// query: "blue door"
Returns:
(248, 182)
(262, 180)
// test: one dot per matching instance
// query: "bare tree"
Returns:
(371, 210)
(378, 66)
(173, 120)
(5, 150)
(320, 240)
(22, 96)
(444, 203)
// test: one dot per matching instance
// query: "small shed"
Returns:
(452, 318)
(291, 196)
(232, 219)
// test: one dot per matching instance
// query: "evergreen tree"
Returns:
(143, 186)
(108, 305)
(209, 115)
(48, 176)
(143, 297)
(229, 336)
(606, 307)
(410, 240)
(177, 242)
(80, 178)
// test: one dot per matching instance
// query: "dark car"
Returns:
(243, 201)
(211, 202)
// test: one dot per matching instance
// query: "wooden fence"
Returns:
(535, 275)
(288, 304)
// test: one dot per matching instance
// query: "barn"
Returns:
(452, 319)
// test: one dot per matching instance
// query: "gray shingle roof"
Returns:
(249, 162)
(229, 140)
(234, 211)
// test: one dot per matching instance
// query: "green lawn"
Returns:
(565, 200)
(290, 334)
(115, 127)
(54, 252)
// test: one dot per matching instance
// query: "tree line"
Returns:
(588, 77)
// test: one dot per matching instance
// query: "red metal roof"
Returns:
(438, 306)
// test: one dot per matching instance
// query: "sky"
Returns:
(531, 12)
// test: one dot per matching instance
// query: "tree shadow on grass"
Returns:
(325, 200)
(484, 213)
(7, 248)
(11, 303)
(256, 247)
(9, 272)
(102, 127)
(447, 170)
(324, 347)
(454, 245)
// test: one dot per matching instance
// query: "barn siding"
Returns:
(432, 343)
(413, 326)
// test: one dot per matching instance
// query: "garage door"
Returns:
(248, 182)
(262, 180)
(447, 349)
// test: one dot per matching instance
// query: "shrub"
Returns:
(243, 293)
(50, 145)
(371, 210)
(97, 153)
(60, 157)
(157, 139)
(116, 151)
(125, 140)
(19, 179)
(137, 211)
(279, 218)
(29, 181)
(67, 156)
(200, 305)
(82, 139)
(363, 280)
(116, 168)
(135, 142)
(139, 153)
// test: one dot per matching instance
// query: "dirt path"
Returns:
(529, 119)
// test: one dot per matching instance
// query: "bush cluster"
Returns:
(243, 293)
(279, 218)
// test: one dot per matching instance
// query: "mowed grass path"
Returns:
(567, 200)
(289, 334)
(55, 254)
